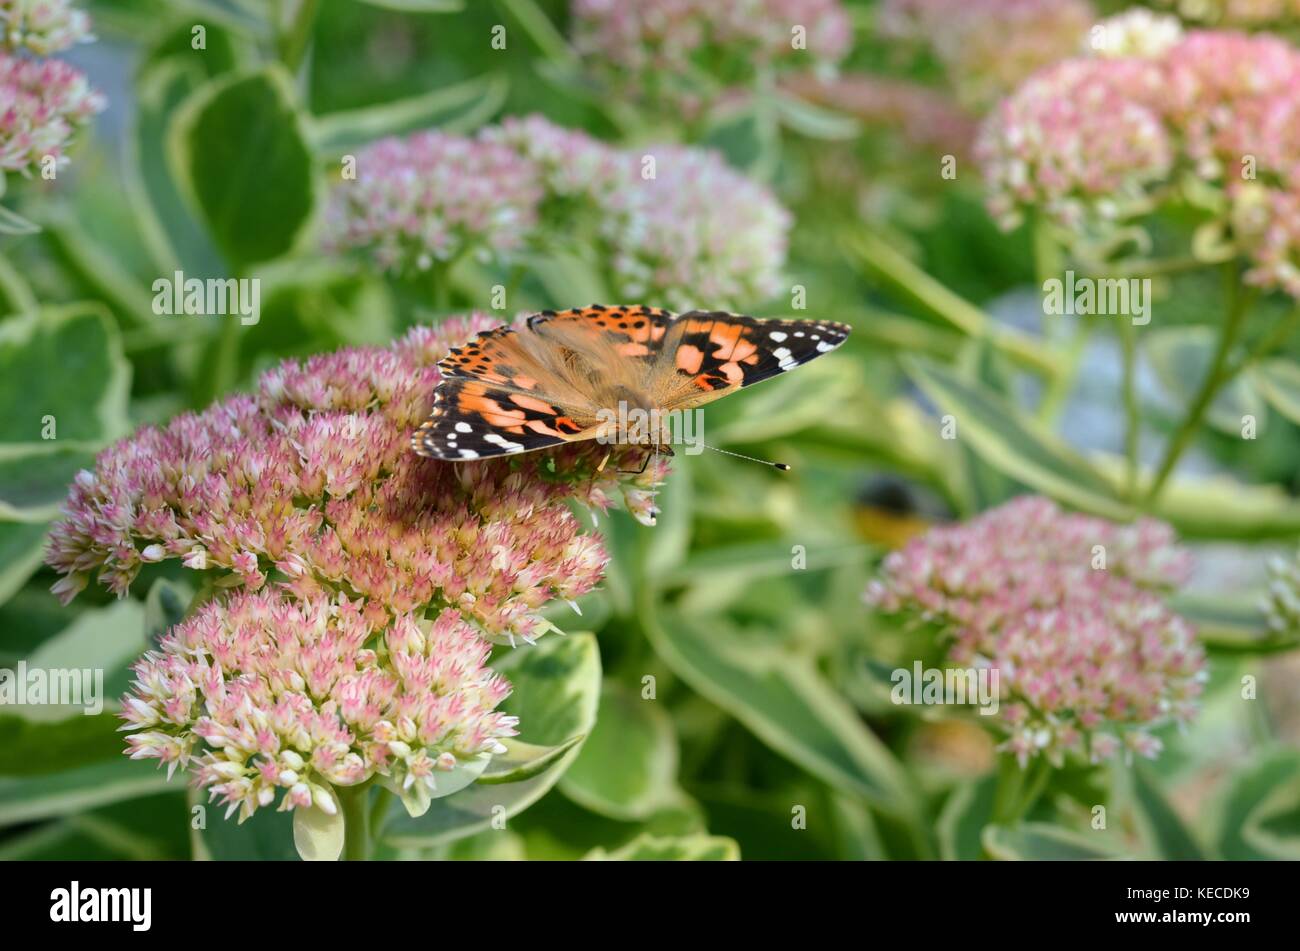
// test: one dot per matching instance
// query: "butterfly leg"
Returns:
(601, 467)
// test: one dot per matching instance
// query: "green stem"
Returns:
(1218, 374)
(353, 800)
(1132, 415)
(379, 810)
(297, 34)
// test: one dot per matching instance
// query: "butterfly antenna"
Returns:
(727, 452)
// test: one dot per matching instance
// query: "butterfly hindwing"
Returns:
(475, 420)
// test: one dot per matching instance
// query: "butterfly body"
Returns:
(573, 375)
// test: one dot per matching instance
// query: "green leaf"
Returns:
(417, 797)
(1231, 625)
(687, 848)
(524, 761)
(22, 547)
(816, 122)
(1278, 381)
(1181, 357)
(107, 639)
(1014, 443)
(237, 146)
(462, 106)
(1038, 841)
(419, 6)
(963, 818)
(34, 478)
(64, 362)
(786, 703)
(12, 223)
(1163, 829)
(1250, 800)
(32, 748)
(556, 693)
(265, 836)
(166, 605)
(1273, 827)
(756, 560)
(628, 767)
(317, 835)
(29, 798)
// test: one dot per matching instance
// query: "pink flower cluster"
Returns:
(430, 197)
(668, 52)
(1103, 139)
(263, 695)
(1068, 609)
(672, 225)
(43, 26)
(310, 485)
(42, 103)
(988, 47)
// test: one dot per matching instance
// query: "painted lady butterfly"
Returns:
(558, 378)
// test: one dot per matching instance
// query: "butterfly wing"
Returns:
(706, 355)
(517, 389)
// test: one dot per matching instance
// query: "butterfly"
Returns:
(562, 375)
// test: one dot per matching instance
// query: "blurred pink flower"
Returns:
(430, 197)
(988, 47)
(1101, 140)
(43, 26)
(262, 695)
(309, 485)
(681, 53)
(42, 103)
(1087, 650)
(674, 226)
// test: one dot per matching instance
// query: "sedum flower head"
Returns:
(1089, 655)
(1077, 140)
(42, 103)
(1092, 142)
(1137, 32)
(431, 197)
(988, 47)
(673, 225)
(43, 26)
(309, 487)
(679, 53)
(693, 234)
(263, 696)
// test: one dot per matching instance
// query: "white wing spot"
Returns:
(468, 454)
(823, 347)
(499, 440)
(777, 335)
(464, 428)
(786, 361)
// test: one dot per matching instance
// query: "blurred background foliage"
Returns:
(770, 734)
